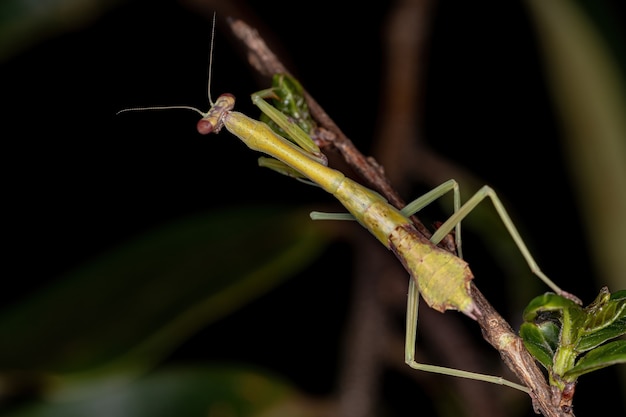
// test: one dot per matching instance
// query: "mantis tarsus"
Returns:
(442, 278)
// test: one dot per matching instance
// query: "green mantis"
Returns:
(439, 276)
(442, 278)
(577, 346)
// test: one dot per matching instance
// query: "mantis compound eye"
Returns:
(205, 127)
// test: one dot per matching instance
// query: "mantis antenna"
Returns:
(211, 61)
(203, 114)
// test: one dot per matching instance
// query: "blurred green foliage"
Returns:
(108, 323)
(89, 343)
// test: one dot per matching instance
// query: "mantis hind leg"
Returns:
(434, 194)
(454, 222)
(409, 349)
(460, 213)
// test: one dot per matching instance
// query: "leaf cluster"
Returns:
(570, 340)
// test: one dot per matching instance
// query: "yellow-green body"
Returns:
(442, 278)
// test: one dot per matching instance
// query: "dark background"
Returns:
(80, 180)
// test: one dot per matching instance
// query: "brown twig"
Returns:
(494, 328)
(261, 58)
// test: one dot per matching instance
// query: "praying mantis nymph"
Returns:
(442, 278)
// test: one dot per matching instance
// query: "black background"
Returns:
(80, 179)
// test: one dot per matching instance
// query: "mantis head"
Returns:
(213, 120)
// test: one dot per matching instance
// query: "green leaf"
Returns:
(618, 295)
(604, 311)
(579, 330)
(606, 319)
(548, 302)
(541, 340)
(609, 354)
(616, 329)
(132, 306)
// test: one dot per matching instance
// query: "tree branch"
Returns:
(494, 328)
